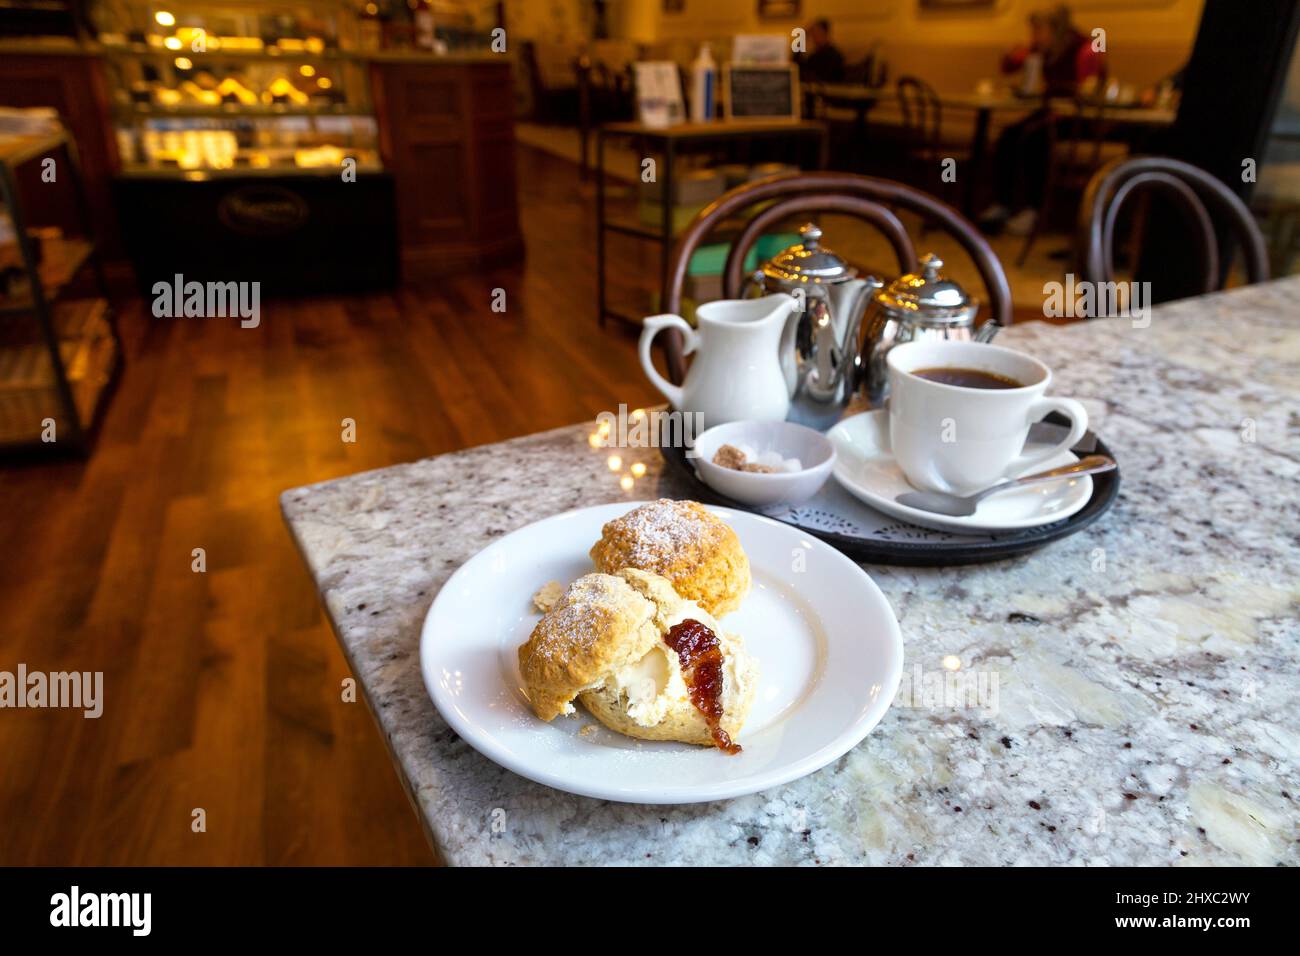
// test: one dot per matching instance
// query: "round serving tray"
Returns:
(839, 519)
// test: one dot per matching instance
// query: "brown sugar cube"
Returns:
(729, 456)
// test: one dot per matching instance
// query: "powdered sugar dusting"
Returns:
(570, 627)
(661, 531)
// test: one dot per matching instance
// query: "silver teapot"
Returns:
(819, 345)
(921, 305)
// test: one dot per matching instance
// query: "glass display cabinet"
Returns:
(247, 142)
(236, 87)
(314, 146)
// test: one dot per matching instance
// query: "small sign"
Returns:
(760, 49)
(659, 100)
(760, 92)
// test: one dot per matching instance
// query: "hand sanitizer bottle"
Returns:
(704, 84)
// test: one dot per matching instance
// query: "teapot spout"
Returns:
(986, 331)
(854, 298)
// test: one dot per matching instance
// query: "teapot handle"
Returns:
(651, 327)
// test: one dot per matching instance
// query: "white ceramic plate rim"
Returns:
(926, 519)
(762, 779)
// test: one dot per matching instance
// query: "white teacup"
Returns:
(961, 439)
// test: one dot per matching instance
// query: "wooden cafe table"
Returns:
(1149, 666)
(984, 105)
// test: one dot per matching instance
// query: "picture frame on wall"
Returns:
(956, 4)
(779, 9)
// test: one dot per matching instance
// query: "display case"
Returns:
(310, 145)
(235, 88)
(247, 143)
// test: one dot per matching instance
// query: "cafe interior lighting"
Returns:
(307, 70)
(183, 63)
(164, 19)
(238, 44)
(172, 43)
(232, 87)
(193, 90)
(282, 87)
(196, 38)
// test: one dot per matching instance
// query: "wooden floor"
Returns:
(222, 689)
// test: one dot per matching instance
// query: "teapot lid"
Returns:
(928, 293)
(808, 261)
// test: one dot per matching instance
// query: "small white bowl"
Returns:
(813, 449)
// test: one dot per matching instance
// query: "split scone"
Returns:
(643, 660)
(690, 546)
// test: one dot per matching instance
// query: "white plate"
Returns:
(828, 645)
(865, 466)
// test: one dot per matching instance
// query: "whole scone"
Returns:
(684, 542)
(615, 642)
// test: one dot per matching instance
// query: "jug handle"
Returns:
(986, 331)
(651, 327)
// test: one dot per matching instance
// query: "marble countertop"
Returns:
(1148, 687)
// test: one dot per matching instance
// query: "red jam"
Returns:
(700, 655)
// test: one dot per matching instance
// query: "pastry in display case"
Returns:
(294, 140)
(233, 86)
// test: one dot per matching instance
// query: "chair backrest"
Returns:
(1082, 127)
(871, 70)
(1198, 196)
(872, 199)
(921, 110)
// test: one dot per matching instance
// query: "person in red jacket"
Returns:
(1057, 61)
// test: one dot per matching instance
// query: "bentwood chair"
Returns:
(1198, 196)
(873, 200)
(921, 114)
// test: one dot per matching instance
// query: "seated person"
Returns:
(1065, 60)
(825, 64)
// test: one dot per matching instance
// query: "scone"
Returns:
(690, 546)
(643, 661)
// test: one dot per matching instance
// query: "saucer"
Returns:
(866, 468)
